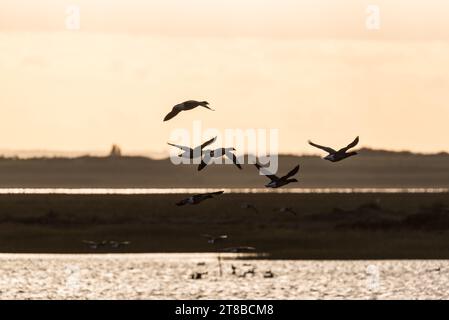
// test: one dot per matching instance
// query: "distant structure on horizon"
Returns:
(115, 152)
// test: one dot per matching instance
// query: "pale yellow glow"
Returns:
(308, 68)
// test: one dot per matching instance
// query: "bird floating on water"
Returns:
(197, 198)
(186, 105)
(277, 182)
(217, 153)
(334, 155)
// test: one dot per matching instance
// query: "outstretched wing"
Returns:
(183, 148)
(272, 177)
(213, 193)
(205, 160)
(202, 165)
(233, 157)
(327, 149)
(172, 113)
(208, 142)
(291, 173)
(351, 145)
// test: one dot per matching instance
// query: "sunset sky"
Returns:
(308, 68)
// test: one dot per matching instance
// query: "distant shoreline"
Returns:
(369, 169)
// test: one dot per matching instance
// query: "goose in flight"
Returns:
(217, 153)
(94, 244)
(286, 210)
(190, 153)
(186, 105)
(118, 244)
(339, 155)
(214, 239)
(277, 182)
(197, 198)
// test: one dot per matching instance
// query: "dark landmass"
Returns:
(371, 169)
(326, 226)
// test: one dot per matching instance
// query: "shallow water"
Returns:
(167, 276)
(130, 191)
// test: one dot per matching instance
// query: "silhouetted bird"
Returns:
(268, 274)
(339, 155)
(197, 275)
(277, 182)
(214, 239)
(95, 244)
(197, 198)
(234, 269)
(117, 244)
(217, 153)
(190, 153)
(186, 105)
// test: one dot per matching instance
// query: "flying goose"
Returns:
(339, 155)
(186, 105)
(286, 210)
(277, 182)
(217, 153)
(94, 244)
(190, 153)
(197, 198)
(117, 244)
(214, 239)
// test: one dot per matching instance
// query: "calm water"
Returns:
(167, 276)
(125, 191)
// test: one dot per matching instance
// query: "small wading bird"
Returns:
(186, 105)
(335, 156)
(95, 244)
(197, 198)
(190, 153)
(286, 210)
(249, 206)
(217, 153)
(277, 182)
(214, 239)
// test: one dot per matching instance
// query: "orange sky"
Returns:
(308, 68)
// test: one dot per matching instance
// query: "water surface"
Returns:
(167, 276)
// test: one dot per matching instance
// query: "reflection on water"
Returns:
(165, 276)
(128, 191)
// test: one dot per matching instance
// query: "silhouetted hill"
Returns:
(371, 168)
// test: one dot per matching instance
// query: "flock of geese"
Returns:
(207, 155)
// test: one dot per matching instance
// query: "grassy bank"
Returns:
(327, 226)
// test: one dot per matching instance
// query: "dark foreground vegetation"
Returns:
(326, 226)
